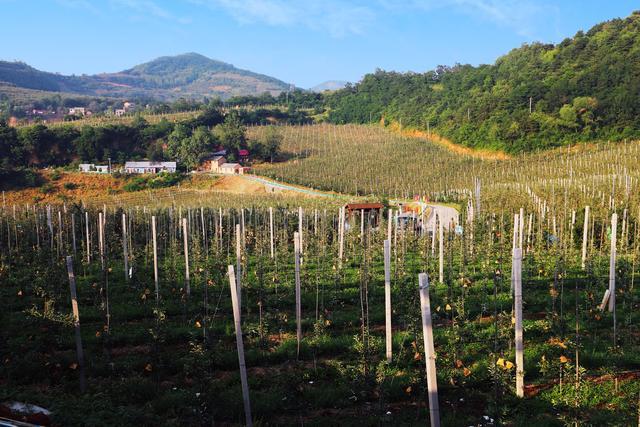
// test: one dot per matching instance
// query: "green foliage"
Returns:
(232, 134)
(152, 181)
(580, 90)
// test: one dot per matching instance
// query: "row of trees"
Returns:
(188, 142)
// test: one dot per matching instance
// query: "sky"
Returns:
(303, 42)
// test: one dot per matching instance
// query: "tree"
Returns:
(232, 134)
(10, 150)
(189, 149)
(272, 141)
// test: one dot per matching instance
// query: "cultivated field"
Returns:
(166, 329)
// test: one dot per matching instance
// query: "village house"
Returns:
(149, 167)
(77, 111)
(218, 164)
(212, 164)
(90, 167)
(120, 112)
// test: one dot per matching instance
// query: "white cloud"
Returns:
(336, 17)
(519, 15)
(146, 8)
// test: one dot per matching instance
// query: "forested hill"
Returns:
(189, 75)
(582, 89)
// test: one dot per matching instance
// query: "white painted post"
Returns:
(101, 237)
(430, 356)
(240, 346)
(612, 263)
(271, 231)
(521, 227)
(390, 225)
(517, 276)
(185, 234)
(387, 298)
(441, 249)
(300, 222)
(585, 236)
(86, 223)
(124, 247)
(297, 249)
(239, 263)
(341, 234)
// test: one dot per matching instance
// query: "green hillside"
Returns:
(167, 78)
(582, 89)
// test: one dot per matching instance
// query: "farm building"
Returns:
(77, 111)
(90, 167)
(149, 167)
(233, 169)
(212, 164)
(372, 210)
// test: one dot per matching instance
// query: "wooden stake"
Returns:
(155, 257)
(430, 356)
(612, 263)
(297, 250)
(240, 345)
(186, 256)
(441, 250)
(125, 250)
(585, 236)
(387, 298)
(76, 323)
(271, 231)
(239, 263)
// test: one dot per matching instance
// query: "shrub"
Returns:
(47, 188)
(70, 186)
(55, 175)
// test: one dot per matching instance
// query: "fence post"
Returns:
(517, 279)
(430, 357)
(76, 323)
(585, 235)
(240, 345)
(297, 249)
(387, 298)
(186, 256)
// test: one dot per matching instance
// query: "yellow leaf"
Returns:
(417, 356)
(459, 363)
(198, 325)
(508, 365)
(448, 307)
(466, 372)
(408, 390)
(500, 362)
(563, 359)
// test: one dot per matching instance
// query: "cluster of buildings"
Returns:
(216, 163)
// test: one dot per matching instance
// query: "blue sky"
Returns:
(304, 42)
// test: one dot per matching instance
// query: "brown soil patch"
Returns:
(237, 184)
(85, 186)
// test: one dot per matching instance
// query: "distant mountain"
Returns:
(329, 85)
(189, 75)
